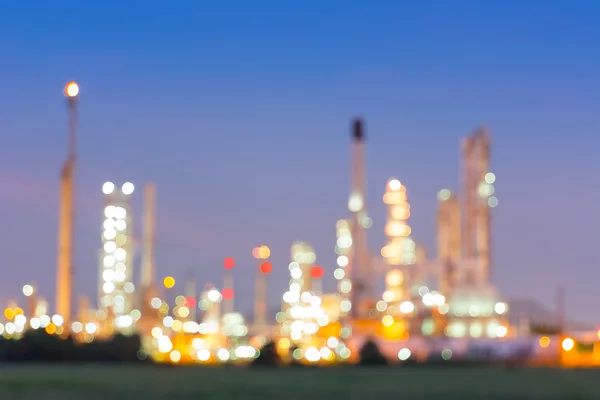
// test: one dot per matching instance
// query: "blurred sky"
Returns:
(239, 111)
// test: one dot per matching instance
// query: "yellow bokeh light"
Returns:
(50, 329)
(568, 344)
(18, 311)
(544, 342)
(169, 282)
(72, 89)
(184, 312)
(394, 278)
(388, 320)
(264, 252)
(284, 343)
(180, 300)
(9, 313)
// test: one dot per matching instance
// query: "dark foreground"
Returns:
(155, 382)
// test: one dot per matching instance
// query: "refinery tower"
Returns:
(478, 198)
(65, 270)
(359, 261)
(116, 256)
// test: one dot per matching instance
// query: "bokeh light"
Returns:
(229, 263)
(169, 282)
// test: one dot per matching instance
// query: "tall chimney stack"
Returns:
(148, 269)
(360, 262)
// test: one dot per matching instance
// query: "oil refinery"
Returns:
(412, 305)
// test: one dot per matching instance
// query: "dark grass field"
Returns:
(164, 382)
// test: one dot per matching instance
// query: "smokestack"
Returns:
(357, 130)
(148, 269)
(65, 270)
(360, 268)
(64, 273)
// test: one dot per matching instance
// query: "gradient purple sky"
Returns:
(240, 114)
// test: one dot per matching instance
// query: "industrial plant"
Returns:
(445, 306)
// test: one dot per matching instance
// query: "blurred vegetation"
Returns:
(538, 329)
(268, 356)
(38, 346)
(370, 355)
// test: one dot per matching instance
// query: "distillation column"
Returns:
(478, 191)
(399, 252)
(360, 262)
(449, 237)
(116, 268)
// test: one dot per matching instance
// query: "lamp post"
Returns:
(65, 270)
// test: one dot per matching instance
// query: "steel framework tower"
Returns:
(116, 267)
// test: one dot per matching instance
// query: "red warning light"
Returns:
(229, 263)
(227, 294)
(316, 272)
(266, 267)
(190, 302)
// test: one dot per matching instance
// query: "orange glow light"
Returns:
(316, 272)
(50, 329)
(9, 313)
(72, 89)
(264, 252)
(266, 267)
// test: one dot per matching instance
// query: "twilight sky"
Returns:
(239, 111)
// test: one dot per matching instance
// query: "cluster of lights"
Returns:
(200, 350)
(314, 354)
(486, 189)
(17, 323)
(433, 299)
(116, 261)
(176, 339)
(400, 249)
(394, 281)
(476, 329)
(210, 303)
(342, 249)
(301, 307)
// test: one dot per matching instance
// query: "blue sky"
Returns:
(239, 111)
